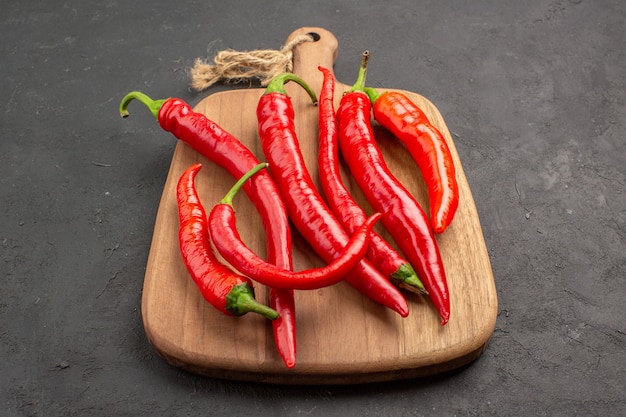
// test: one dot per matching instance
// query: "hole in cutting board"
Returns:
(316, 37)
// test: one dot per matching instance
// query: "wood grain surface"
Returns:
(342, 336)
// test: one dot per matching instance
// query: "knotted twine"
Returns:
(230, 66)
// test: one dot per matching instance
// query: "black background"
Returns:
(533, 93)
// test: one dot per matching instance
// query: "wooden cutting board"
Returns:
(342, 336)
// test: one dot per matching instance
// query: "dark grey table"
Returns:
(534, 93)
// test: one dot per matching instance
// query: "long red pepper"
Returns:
(402, 216)
(223, 232)
(221, 147)
(350, 214)
(305, 206)
(402, 117)
(227, 291)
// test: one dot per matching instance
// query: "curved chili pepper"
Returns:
(305, 205)
(403, 218)
(221, 147)
(402, 117)
(223, 232)
(229, 292)
(350, 214)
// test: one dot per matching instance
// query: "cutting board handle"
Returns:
(307, 56)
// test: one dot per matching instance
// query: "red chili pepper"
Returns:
(402, 117)
(402, 216)
(350, 214)
(305, 205)
(223, 232)
(221, 147)
(226, 290)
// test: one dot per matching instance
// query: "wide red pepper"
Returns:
(227, 291)
(211, 140)
(402, 117)
(223, 232)
(382, 255)
(403, 218)
(305, 206)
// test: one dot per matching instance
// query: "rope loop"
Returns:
(230, 66)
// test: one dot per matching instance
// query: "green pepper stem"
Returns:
(153, 105)
(405, 277)
(240, 300)
(277, 85)
(359, 85)
(230, 195)
(372, 94)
